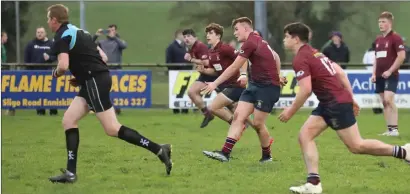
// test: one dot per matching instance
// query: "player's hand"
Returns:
(73, 82)
(55, 73)
(386, 74)
(188, 57)
(200, 68)
(242, 80)
(209, 88)
(283, 81)
(99, 32)
(285, 115)
(356, 108)
(373, 78)
(46, 56)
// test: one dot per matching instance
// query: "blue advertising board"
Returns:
(38, 89)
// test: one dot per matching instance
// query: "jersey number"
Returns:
(328, 65)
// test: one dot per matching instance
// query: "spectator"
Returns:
(3, 48)
(4, 38)
(337, 51)
(368, 59)
(369, 56)
(175, 54)
(36, 51)
(112, 47)
(406, 61)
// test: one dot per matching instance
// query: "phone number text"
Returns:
(129, 101)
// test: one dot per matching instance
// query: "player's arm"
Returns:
(231, 70)
(305, 89)
(203, 53)
(342, 76)
(277, 59)
(62, 48)
(401, 53)
(103, 55)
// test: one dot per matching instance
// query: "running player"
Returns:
(315, 72)
(390, 54)
(78, 53)
(261, 94)
(220, 57)
(198, 54)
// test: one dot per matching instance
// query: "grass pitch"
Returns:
(33, 148)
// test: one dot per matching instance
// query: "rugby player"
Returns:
(77, 52)
(222, 55)
(198, 54)
(261, 94)
(336, 109)
(390, 54)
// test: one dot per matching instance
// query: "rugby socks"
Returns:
(266, 151)
(228, 146)
(313, 178)
(399, 152)
(206, 112)
(133, 137)
(392, 127)
(72, 137)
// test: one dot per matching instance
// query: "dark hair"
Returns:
(59, 11)
(218, 29)
(189, 32)
(242, 20)
(113, 26)
(298, 29)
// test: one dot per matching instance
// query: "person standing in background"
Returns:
(36, 51)
(4, 38)
(175, 53)
(337, 50)
(112, 47)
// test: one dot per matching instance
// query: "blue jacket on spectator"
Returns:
(175, 53)
(35, 49)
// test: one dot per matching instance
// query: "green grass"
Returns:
(33, 148)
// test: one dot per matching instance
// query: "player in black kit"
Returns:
(77, 52)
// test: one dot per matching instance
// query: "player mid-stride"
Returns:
(261, 94)
(198, 54)
(336, 109)
(390, 54)
(77, 52)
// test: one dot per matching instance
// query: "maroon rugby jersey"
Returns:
(220, 58)
(199, 50)
(325, 84)
(262, 63)
(386, 52)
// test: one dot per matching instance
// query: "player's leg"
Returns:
(391, 112)
(243, 110)
(99, 93)
(266, 97)
(77, 110)
(217, 108)
(194, 93)
(226, 98)
(312, 128)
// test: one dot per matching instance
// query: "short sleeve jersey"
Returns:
(84, 57)
(262, 63)
(220, 58)
(199, 50)
(386, 52)
(325, 84)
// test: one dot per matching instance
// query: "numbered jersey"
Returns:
(220, 58)
(262, 63)
(325, 84)
(386, 52)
